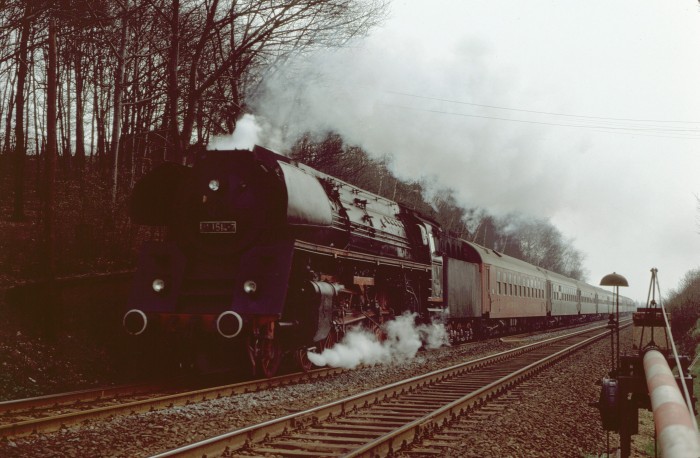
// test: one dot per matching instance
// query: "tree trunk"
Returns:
(65, 116)
(117, 116)
(173, 86)
(8, 121)
(20, 152)
(49, 241)
(79, 112)
(38, 115)
(99, 112)
(6, 103)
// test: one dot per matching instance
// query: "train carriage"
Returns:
(604, 301)
(562, 295)
(487, 291)
(587, 298)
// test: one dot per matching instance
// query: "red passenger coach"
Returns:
(488, 292)
(513, 288)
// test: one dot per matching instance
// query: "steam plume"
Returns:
(404, 339)
(244, 137)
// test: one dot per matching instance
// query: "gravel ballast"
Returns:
(553, 420)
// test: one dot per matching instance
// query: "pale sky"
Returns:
(586, 113)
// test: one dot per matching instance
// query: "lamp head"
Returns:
(614, 279)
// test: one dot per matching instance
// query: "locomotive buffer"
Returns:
(644, 380)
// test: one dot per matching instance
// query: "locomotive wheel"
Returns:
(265, 356)
(378, 332)
(269, 357)
(330, 340)
(302, 359)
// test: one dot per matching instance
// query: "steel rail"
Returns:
(72, 397)
(387, 444)
(53, 423)
(255, 434)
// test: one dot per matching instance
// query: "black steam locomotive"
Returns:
(274, 257)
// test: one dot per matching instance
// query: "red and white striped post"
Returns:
(675, 427)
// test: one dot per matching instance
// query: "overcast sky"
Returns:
(586, 113)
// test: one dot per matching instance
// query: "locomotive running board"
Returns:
(353, 255)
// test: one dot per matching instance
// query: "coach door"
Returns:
(549, 294)
(578, 300)
(463, 285)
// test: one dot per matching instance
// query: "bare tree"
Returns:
(538, 242)
(684, 305)
(211, 43)
(119, 73)
(50, 156)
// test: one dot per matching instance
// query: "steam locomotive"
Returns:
(273, 257)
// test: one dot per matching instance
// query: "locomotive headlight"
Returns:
(214, 185)
(158, 285)
(250, 287)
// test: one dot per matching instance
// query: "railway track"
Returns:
(389, 419)
(50, 413)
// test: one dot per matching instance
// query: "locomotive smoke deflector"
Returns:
(307, 203)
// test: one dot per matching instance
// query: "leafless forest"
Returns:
(94, 93)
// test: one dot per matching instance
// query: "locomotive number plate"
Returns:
(217, 227)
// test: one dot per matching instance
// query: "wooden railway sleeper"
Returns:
(450, 413)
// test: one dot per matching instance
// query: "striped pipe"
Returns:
(675, 430)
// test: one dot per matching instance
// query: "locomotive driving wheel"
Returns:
(269, 357)
(265, 355)
(265, 351)
(301, 356)
(379, 333)
(330, 340)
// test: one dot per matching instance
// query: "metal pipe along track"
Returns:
(677, 436)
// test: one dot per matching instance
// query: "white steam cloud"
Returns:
(404, 339)
(461, 90)
(411, 105)
(245, 136)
